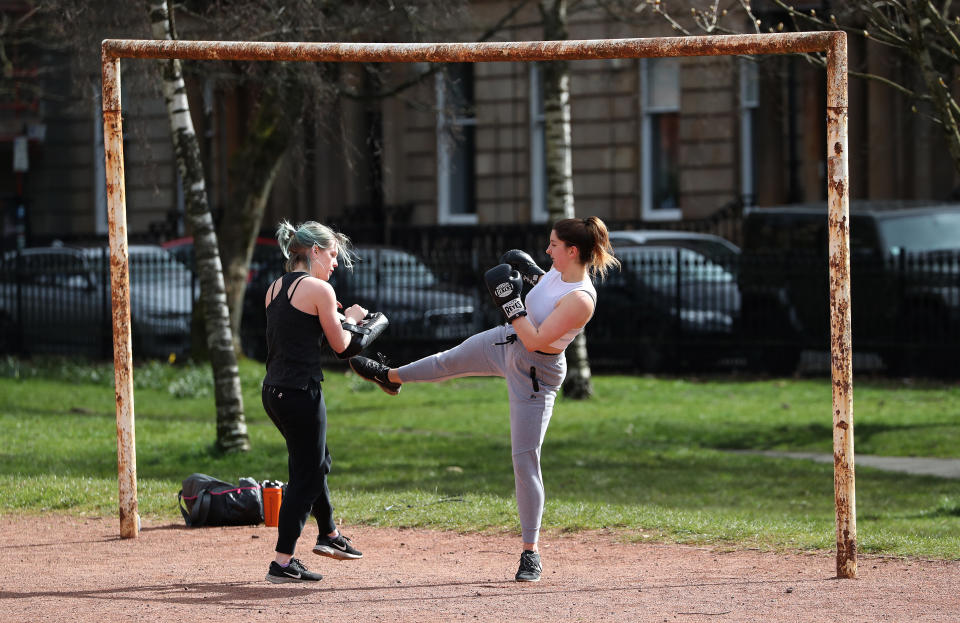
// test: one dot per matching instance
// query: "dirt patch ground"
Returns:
(68, 569)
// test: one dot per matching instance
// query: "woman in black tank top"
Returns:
(301, 309)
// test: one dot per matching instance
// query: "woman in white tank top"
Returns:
(528, 353)
(558, 286)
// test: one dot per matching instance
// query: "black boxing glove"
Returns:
(505, 285)
(524, 264)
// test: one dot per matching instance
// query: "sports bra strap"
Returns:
(296, 284)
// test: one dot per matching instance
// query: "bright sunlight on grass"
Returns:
(648, 456)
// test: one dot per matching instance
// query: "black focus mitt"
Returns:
(363, 334)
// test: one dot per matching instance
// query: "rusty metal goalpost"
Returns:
(834, 44)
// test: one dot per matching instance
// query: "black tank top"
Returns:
(293, 341)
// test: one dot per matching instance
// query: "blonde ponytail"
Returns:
(285, 234)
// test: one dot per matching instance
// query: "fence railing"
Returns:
(57, 300)
(667, 307)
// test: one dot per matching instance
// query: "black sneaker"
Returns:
(294, 572)
(338, 548)
(530, 568)
(375, 372)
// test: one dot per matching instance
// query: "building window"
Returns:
(538, 149)
(749, 101)
(660, 86)
(456, 145)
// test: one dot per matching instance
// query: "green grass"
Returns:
(646, 455)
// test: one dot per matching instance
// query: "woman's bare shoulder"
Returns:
(317, 286)
(577, 298)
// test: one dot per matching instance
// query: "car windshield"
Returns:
(390, 267)
(658, 268)
(921, 232)
(154, 266)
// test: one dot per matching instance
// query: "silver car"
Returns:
(57, 300)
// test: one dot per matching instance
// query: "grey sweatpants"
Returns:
(532, 381)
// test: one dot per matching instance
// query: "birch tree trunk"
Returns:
(231, 424)
(559, 161)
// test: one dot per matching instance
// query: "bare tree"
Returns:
(77, 26)
(287, 94)
(923, 35)
(22, 25)
(253, 172)
(559, 160)
(287, 91)
(231, 425)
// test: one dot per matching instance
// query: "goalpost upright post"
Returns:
(834, 44)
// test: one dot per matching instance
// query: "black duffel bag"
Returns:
(212, 502)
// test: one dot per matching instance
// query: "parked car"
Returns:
(674, 302)
(266, 254)
(716, 248)
(905, 284)
(57, 300)
(424, 313)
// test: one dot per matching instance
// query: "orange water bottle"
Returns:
(272, 497)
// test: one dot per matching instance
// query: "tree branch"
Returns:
(434, 67)
(939, 24)
(890, 83)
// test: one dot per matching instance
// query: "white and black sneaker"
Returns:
(375, 372)
(294, 572)
(530, 568)
(339, 548)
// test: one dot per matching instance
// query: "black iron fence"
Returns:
(57, 300)
(667, 308)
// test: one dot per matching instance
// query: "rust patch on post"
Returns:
(120, 299)
(841, 349)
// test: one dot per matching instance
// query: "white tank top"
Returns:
(544, 296)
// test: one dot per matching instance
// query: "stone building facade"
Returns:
(653, 140)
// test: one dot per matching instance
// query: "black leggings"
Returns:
(301, 417)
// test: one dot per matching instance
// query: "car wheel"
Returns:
(927, 348)
(654, 346)
(650, 358)
(8, 335)
(772, 344)
(254, 347)
(253, 339)
(136, 342)
(775, 360)
(895, 361)
(914, 360)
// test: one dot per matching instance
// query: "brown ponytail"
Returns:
(592, 240)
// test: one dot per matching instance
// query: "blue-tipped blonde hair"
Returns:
(297, 242)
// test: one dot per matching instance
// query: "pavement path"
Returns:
(942, 468)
